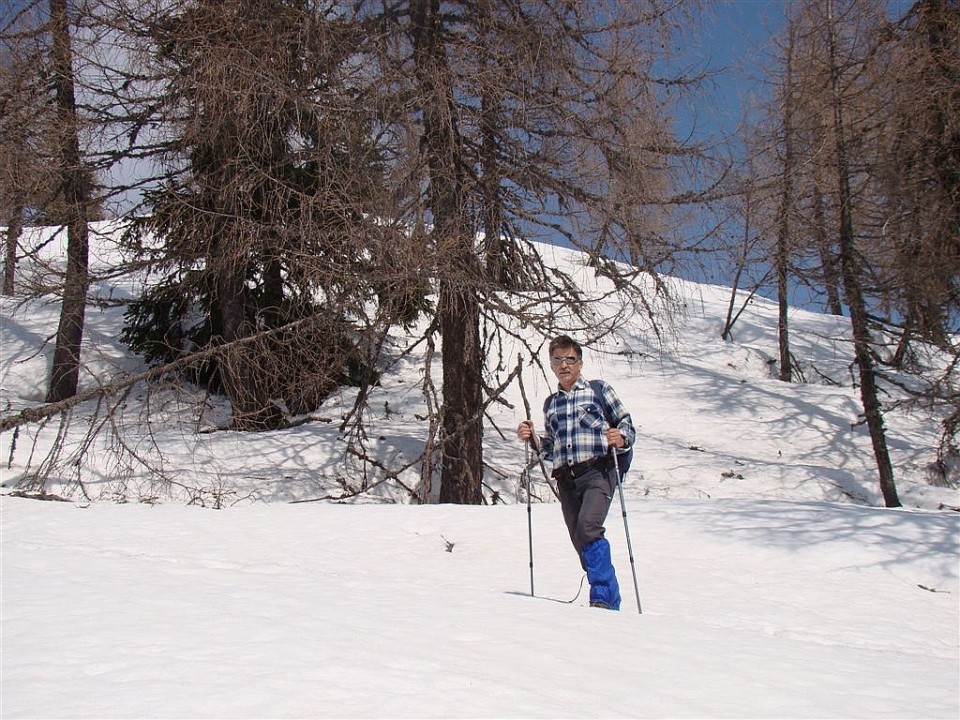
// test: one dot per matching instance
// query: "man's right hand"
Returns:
(525, 430)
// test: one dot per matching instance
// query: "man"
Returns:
(576, 440)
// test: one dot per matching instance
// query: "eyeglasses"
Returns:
(568, 360)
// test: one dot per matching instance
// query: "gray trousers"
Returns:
(585, 501)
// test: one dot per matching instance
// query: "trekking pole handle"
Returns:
(619, 435)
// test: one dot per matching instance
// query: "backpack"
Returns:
(623, 459)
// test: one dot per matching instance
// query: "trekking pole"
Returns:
(526, 470)
(626, 528)
(528, 464)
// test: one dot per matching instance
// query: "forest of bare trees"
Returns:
(859, 190)
(312, 175)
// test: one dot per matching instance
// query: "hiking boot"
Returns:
(598, 604)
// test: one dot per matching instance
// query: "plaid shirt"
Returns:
(575, 424)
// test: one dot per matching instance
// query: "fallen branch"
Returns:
(41, 412)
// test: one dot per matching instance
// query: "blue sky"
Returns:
(737, 36)
(732, 41)
(736, 40)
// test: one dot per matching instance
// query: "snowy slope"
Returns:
(772, 583)
(752, 609)
(714, 420)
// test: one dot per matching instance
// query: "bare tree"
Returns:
(16, 158)
(785, 210)
(19, 156)
(458, 307)
(327, 174)
(830, 127)
(30, 133)
(76, 193)
(918, 177)
(855, 158)
(850, 268)
(746, 203)
(918, 166)
(530, 120)
(269, 177)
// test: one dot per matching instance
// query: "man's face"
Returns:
(566, 366)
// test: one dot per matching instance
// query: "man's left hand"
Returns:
(615, 438)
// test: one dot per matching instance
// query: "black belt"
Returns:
(580, 468)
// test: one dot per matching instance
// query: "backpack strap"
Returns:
(624, 457)
(597, 387)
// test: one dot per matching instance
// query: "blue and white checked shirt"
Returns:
(575, 424)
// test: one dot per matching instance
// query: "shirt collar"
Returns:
(580, 384)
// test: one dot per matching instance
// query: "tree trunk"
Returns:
(250, 404)
(727, 332)
(76, 195)
(828, 259)
(853, 292)
(458, 311)
(783, 219)
(461, 477)
(14, 228)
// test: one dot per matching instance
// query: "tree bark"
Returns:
(461, 477)
(828, 259)
(76, 195)
(783, 219)
(853, 291)
(14, 228)
(458, 310)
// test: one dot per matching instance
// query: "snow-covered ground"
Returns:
(772, 582)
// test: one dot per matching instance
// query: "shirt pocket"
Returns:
(591, 416)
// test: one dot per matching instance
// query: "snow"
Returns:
(772, 583)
